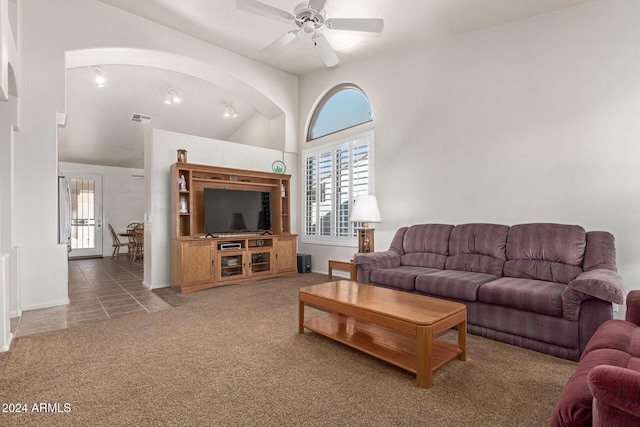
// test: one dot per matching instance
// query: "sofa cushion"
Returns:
(618, 335)
(549, 252)
(541, 270)
(478, 247)
(426, 239)
(524, 294)
(402, 277)
(429, 260)
(475, 263)
(574, 407)
(461, 285)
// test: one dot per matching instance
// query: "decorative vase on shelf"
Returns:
(182, 156)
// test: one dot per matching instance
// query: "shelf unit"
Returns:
(198, 262)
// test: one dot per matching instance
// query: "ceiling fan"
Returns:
(309, 16)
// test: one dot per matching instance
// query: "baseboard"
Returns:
(55, 303)
(148, 286)
(7, 346)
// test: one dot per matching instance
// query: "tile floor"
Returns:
(100, 289)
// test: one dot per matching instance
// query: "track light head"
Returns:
(172, 96)
(229, 111)
(98, 77)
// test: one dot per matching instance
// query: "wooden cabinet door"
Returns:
(285, 249)
(232, 265)
(260, 262)
(197, 263)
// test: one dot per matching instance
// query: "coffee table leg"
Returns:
(300, 317)
(462, 340)
(425, 348)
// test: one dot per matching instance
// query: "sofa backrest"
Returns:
(479, 248)
(600, 251)
(426, 245)
(550, 252)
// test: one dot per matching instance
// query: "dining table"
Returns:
(134, 247)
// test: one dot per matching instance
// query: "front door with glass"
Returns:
(86, 214)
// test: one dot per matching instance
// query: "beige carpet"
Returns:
(232, 356)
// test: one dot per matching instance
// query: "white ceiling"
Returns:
(98, 130)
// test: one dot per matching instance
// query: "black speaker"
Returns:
(304, 263)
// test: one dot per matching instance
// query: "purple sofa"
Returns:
(546, 287)
(605, 390)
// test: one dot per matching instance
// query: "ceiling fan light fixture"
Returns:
(309, 27)
(98, 77)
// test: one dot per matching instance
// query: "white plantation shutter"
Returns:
(333, 177)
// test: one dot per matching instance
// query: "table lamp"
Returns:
(365, 210)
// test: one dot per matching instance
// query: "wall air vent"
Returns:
(141, 118)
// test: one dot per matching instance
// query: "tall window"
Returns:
(341, 169)
(334, 176)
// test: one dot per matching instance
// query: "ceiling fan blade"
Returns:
(317, 5)
(280, 43)
(371, 25)
(327, 54)
(264, 8)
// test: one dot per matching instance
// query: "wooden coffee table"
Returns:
(395, 326)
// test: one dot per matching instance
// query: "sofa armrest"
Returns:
(367, 262)
(615, 391)
(601, 283)
(633, 307)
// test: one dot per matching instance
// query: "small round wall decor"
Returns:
(278, 166)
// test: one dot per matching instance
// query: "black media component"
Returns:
(304, 263)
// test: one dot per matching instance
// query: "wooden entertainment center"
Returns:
(200, 262)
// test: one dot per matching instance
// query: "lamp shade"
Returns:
(365, 209)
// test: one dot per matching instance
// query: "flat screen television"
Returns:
(236, 211)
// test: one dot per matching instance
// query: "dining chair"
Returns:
(137, 250)
(117, 244)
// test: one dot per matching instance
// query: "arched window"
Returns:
(342, 107)
(335, 173)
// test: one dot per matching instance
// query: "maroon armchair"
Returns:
(605, 390)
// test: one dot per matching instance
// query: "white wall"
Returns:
(49, 29)
(533, 121)
(8, 122)
(160, 153)
(122, 197)
(9, 254)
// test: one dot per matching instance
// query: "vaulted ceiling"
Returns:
(99, 130)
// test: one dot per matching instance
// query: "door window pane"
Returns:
(83, 218)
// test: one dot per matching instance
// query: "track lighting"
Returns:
(172, 96)
(98, 77)
(229, 111)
